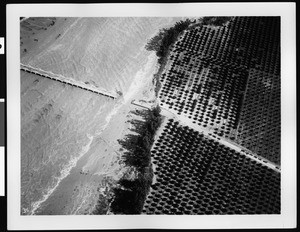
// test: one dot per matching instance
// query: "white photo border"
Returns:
(287, 218)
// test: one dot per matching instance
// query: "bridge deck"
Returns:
(68, 81)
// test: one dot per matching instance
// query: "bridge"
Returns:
(68, 81)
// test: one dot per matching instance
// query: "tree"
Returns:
(130, 198)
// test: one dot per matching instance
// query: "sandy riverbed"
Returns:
(70, 152)
(101, 166)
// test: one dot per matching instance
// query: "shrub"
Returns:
(166, 37)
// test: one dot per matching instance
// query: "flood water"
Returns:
(61, 125)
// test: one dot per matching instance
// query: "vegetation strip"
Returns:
(130, 195)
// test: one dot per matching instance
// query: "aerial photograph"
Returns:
(150, 115)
